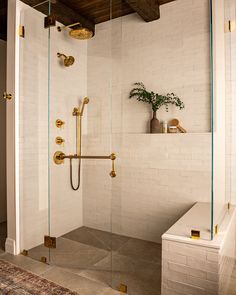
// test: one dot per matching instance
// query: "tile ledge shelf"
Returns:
(180, 231)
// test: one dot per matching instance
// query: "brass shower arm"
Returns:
(61, 54)
(69, 26)
(59, 158)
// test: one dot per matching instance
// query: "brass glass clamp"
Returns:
(59, 158)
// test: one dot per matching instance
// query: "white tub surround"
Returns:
(198, 266)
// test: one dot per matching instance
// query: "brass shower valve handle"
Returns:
(59, 123)
(59, 140)
(59, 158)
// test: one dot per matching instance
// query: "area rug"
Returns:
(14, 281)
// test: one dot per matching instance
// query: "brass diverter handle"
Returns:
(59, 158)
(59, 123)
(59, 140)
(7, 96)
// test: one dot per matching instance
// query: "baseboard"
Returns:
(10, 246)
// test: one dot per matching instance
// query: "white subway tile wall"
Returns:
(159, 177)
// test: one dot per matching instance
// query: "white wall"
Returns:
(159, 176)
(3, 210)
(67, 88)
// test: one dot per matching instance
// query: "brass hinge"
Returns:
(22, 31)
(43, 259)
(195, 234)
(50, 242)
(123, 288)
(216, 229)
(25, 252)
(230, 26)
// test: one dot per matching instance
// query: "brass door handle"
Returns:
(7, 96)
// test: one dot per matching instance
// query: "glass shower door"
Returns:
(33, 133)
(81, 160)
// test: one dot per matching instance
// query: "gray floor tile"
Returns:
(75, 282)
(142, 250)
(97, 238)
(112, 241)
(80, 257)
(141, 277)
(112, 292)
(83, 256)
(26, 263)
(38, 252)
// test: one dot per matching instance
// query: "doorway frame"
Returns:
(12, 245)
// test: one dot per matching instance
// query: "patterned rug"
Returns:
(14, 280)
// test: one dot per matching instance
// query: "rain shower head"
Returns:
(79, 33)
(68, 60)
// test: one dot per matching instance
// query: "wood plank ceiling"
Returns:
(89, 12)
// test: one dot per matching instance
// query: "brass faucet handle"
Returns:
(59, 157)
(59, 140)
(59, 123)
(7, 96)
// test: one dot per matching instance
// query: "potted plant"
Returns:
(156, 101)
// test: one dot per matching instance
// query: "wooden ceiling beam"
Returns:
(63, 13)
(149, 10)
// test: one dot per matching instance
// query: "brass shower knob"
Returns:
(59, 123)
(58, 158)
(59, 140)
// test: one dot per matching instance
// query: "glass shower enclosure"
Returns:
(97, 189)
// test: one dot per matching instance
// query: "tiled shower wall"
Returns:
(158, 176)
(56, 207)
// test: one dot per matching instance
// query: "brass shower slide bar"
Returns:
(59, 158)
(111, 157)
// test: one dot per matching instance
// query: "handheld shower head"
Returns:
(85, 101)
(68, 60)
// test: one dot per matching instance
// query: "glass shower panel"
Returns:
(33, 131)
(230, 58)
(159, 176)
(81, 159)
